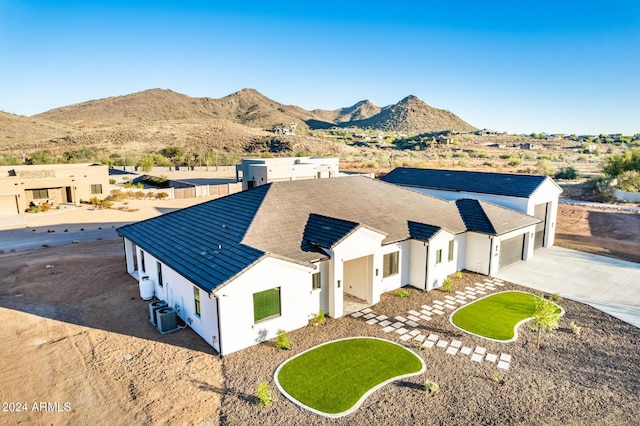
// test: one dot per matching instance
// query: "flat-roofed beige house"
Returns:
(253, 172)
(22, 186)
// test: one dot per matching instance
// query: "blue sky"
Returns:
(516, 66)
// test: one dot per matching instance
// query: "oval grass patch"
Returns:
(496, 316)
(333, 379)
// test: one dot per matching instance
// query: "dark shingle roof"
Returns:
(212, 242)
(487, 218)
(459, 180)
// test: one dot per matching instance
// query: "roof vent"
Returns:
(203, 252)
(219, 247)
(326, 228)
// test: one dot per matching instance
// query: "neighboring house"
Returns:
(20, 186)
(261, 171)
(531, 194)
(239, 268)
(530, 146)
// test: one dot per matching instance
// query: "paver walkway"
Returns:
(405, 328)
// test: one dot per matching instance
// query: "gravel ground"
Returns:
(572, 379)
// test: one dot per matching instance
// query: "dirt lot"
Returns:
(604, 231)
(78, 333)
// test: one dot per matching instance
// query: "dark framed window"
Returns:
(266, 304)
(96, 188)
(316, 281)
(160, 281)
(438, 256)
(390, 264)
(451, 244)
(196, 299)
(142, 266)
(39, 194)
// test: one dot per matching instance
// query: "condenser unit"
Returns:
(167, 320)
(153, 309)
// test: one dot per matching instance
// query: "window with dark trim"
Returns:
(160, 273)
(196, 300)
(96, 188)
(266, 304)
(451, 245)
(316, 282)
(39, 194)
(438, 256)
(142, 266)
(390, 264)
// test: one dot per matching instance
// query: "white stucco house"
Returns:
(534, 195)
(239, 268)
(254, 172)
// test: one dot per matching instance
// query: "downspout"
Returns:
(426, 265)
(490, 255)
(219, 328)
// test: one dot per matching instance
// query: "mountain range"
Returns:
(171, 118)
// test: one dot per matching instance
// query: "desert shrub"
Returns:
(401, 293)
(514, 162)
(264, 394)
(447, 286)
(497, 378)
(282, 341)
(139, 195)
(106, 203)
(458, 275)
(117, 195)
(431, 388)
(555, 297)
(45, 207)
(94, 201)
(318, 318)
(575, 329)
(162, 195)
(567, 172)
(629, 181)
(151, 194)
(112, 181)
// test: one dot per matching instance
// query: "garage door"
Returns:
(540, 212)
(511, 250)
(8, 205)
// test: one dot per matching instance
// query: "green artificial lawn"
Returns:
(496, 316)
(333, 377)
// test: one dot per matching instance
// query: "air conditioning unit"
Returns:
(153, 309)
(167, 320)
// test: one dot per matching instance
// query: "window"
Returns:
(390, 264)
(142, 261)
(159, 273)
(96, 189)
(316, 281)
(196, 299)
(39, 194)
(451, 250)
(438, 256)
(266, 304)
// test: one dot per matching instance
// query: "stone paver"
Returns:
(381, 317)
(472, 297)
(480, 350)
(372, 321)
(405, 337)
(425, 318)
(412, 324)
(397, 324)
(438, 312)
(442, 344)
(428, 344)
(438, 302)
(456, 343)
(505, 357)
(414, 313)
(385, 323)
(465, 350)
(452, 351)
(414, 332)
(481, 292)
(425, 312)
(420, 337)
(366, 310)
(401, 330)
(401, 319)
(388, 329)
(426, 307)
(369, 316)
(413, 318)
(504, 365)
(491, 357)
(477, 357)
(459, 293)
(448, 306)
(433, 337)
(357, 314)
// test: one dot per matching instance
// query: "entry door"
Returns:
(540, 212)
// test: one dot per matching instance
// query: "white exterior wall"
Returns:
(265, 170)
(436, 273)
(548, 192)
(516, 203)
(461, 251)
(235, 301)
(477, 252)
(418, 263)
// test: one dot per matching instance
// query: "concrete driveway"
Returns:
(610, 285)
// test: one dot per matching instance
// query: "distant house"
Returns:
(239, 268)
(530, 146)
(531, 194)
(486, 132)
(253, 172)
(24, 185)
